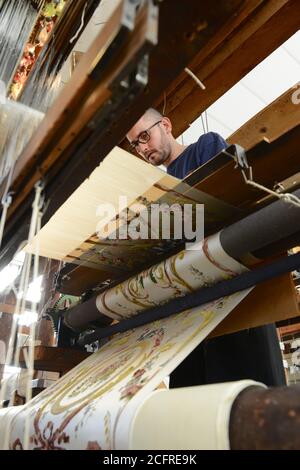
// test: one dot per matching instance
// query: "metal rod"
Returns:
(276, 225)
(274, 222)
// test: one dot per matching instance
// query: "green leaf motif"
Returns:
(152, 278)
(49, 10)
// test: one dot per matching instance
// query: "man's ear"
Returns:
(167, 124)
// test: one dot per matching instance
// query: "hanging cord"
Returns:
(203, 124)
(285, 197)
(81, 25)
(165, 103)
(247, 172)
(194, 77)
(30, 361)
(5, 205)
(206, 120)
(6, 201)
(20, 304)
(203, 87)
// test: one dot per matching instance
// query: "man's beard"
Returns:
(161, 156)
(159, 159)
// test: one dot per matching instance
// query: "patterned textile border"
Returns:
(202, 266)
(93, 406)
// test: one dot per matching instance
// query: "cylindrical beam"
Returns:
(199, 297)
(187, 418)
(79, 317)
(266, 419)
(270, 224)
(276, 222)
(243, 415)
(279, 246)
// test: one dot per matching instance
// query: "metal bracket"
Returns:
(239, 156)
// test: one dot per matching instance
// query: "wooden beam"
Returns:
(268, 302)
(73, 138)
(241, 45)
(273, 121)
(7, 308)
(271, 163)
(289, 329)
(55, 359)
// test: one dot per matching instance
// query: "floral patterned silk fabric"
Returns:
(93, 406)
(181, 274)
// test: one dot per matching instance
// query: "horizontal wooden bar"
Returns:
(269, 302)
(55, 359)
(257, 29)
(279, 117)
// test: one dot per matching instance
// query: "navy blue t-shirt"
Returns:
(195, 155)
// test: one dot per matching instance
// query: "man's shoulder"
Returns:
(209, 137)
(196, 154)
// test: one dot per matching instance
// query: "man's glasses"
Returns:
(143, 137)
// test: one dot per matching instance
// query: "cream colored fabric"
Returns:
(94, 404)
(71, 231)
(76, 220)
(187, 418)
(202, 266)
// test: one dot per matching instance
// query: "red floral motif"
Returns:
(139, 373)
(50, 439)
(17, 445)
(130, 390)
(93, 445)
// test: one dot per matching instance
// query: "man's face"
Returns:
(157, 149)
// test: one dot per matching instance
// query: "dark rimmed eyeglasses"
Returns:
(143, 137)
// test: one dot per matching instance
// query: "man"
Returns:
(151, 137)
(249, 354)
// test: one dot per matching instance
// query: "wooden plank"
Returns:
(64, 113)
(55, 359)
(65, 167)
(289, 329)
(269, 302)
(55, 133)
(271, 164)
(7, 308)
(225, 62)
(273, 121)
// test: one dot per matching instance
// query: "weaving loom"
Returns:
(153, 300)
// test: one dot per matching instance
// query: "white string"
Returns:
(202, 86)
(197, 80)
(285, 197)
(165, 103)
(80, 27)
(206, 120)
(203, 124)
(5, 204)
(30, 363)
(20, 307)
(6, 201)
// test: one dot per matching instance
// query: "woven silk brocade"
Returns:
(93, 406)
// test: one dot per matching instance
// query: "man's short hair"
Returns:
(154, 113)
